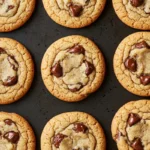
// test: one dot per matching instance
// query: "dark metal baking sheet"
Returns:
(38, 106)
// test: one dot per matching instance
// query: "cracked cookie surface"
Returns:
(132, 63)
(14, 13)
(16, 70)
(134, 13)
(15, 133)
(131, 126)
(72, 68)
(74, 13)
(73, 131)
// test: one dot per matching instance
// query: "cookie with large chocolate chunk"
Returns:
(132, 63)
(14, 13)
(16, 70)
(74, 13)
(15, 133)
(131, 126)
(73, 131)
(72, 68)
(134, 13)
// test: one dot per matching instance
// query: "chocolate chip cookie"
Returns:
(72, 68)
(132, 63)
(74, 13)
(16, 70)
(15, 133)
(73, 131)
(14, 13)
(134, 13)
(131, 126)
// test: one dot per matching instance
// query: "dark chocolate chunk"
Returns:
(76, 89)
(75, 10)
(137, 144)
(10, 7)
(2, 51)
(10, 81)
(136, 3)
(77, 49)
(58, 139)
(145, 80)
(13, 66)
(133, 119)
(142, 45)
(130, 64)
(57, 70)
(12, 136)
(8, 121)
(80, 127)
(89, 68)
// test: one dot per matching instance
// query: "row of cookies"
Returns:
(73, 67)
(74, 13)
(80, 131)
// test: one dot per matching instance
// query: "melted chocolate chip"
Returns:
(80, 127)
(10, 81)
(76, 89)
(145, 80)
(89, 68)
(130, 64)
(133, 119)
(12, 136)
(8, 121)
(75, 10)
(118, 135)
(137, 144)
(136, 3)
(13, 66)
(142, 45)
(57, 70)
(77, 49)
(10, 7)
(57, 139)
(2, 51)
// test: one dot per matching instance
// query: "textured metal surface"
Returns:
(38, 106)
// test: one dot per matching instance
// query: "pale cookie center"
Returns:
(8, 8)
(71, 69)
(75, 137)
(138, 63)
(8, 70)
(9, 135)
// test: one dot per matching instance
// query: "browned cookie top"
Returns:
(15, 133)
(16, 70)
(71, 67)
(14, 13)
(74, 13)
(77, 131)
(131, 126)
(131, 63)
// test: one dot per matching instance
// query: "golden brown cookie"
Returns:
(74, 13)
(134, 13)
(73, 131)
(16, 70)
(131, 126)
(15, 133)
(14, 13)
(72, 68)
(132, 63)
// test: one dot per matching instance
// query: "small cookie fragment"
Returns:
(73, 131)
(74, 13)
(132, 63)
(14, 13)
(16, 70)
(15, 133)
(131, 123)
(72, 68)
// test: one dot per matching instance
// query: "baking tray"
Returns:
(38, 105)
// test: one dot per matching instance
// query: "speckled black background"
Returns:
(38, 105)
